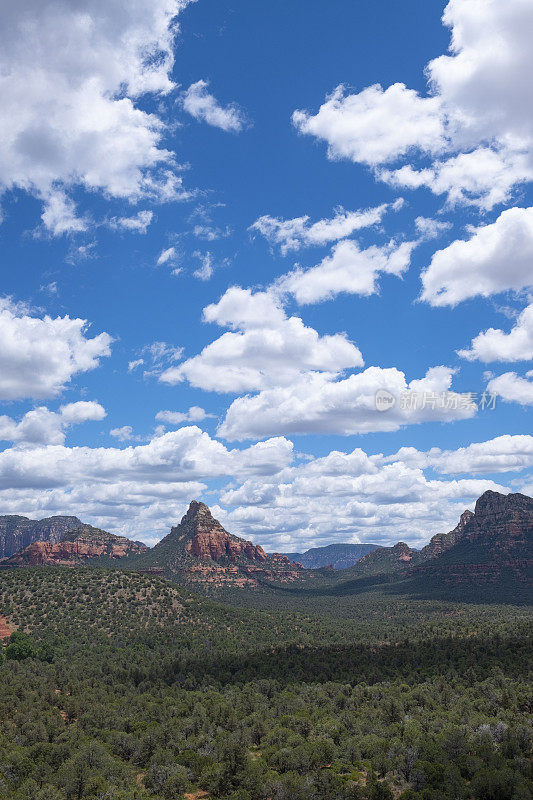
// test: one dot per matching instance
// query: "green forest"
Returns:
(119, 685)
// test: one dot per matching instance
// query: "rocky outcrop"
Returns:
(494, 540)
(206, 538)
(492, 558)
(504, 523)
(78, 546)
(200, 551)
(17, 532)
(385, 559)
(498, 535)
(441, 542)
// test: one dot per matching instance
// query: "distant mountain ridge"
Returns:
(488, 552)
(17, 532)
(338, 556)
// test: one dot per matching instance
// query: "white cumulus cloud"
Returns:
(502, 454)
(194, 414)
(42, 426)
(495, 258)
(264, 348)
(317, 403)
(203, 106)
(496, 345)
(39, 356)
(71, 77)
(512, 388)
(474, 128)
(348, 270)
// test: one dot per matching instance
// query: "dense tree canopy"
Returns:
(121, 686)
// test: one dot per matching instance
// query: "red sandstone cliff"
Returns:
(79, 545)
(200, 550)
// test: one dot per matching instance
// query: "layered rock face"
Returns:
(17, 532)
(200, 550)
(206, 538)
(496, 539)
(497, 535)
(503, 522)
(79, 545)
(441, 542)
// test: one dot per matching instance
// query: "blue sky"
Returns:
(279, 211)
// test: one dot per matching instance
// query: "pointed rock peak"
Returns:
(401, 547)
(199, 517)
(197, 509)
(202, 536)
(488, 501)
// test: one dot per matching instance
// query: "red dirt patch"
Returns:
(5, 629)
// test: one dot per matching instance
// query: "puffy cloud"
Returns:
(42, 426)
(476, 125)
(184, 455)
(359, 499)
(483, 177)
(136, 224)
(512, 388)
(194, 414)
(82, 411)
(59, 215)
(243, 309)
(495, 345)
(201, 105)
(501, 454)
(282, 504)
(347, 270)
(496, 258)
(375, 125)
(265, 348)
(293, 234)
(39, 356)
(69, 112)
(316, 403)
(110, 485)
(123, 434)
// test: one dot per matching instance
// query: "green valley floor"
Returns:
(119, 685)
